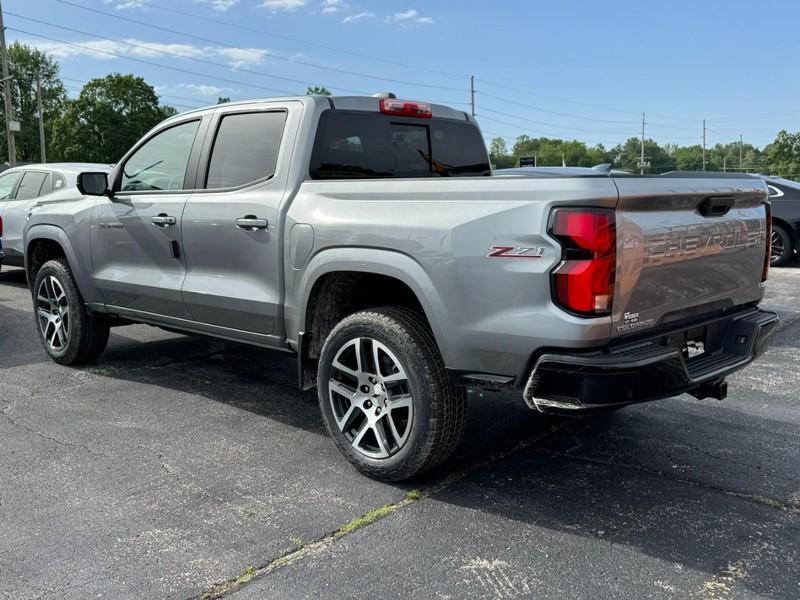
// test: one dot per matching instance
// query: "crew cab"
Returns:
(368, 237)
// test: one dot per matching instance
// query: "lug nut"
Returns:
(368, 404)
(365, 389)
(378, 410)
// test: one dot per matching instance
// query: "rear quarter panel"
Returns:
(487, 314)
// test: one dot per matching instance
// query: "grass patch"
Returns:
(366, 519)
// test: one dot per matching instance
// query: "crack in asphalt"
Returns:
(39, 434)
(224, 588)
(755, 498)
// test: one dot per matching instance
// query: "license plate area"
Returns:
(697, 342)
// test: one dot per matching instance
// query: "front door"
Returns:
(137, 260)
(231, 223)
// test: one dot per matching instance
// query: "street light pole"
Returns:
(9, 110)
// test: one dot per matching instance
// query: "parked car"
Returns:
(365, 236)
(784, 195)
(21, 188)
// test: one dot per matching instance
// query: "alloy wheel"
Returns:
(778, 246)
(52, 312)
(371, 398)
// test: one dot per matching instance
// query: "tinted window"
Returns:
(7, 183)
(160, 164)
(370, 145)
(46, 185)
(245, 149)
(30, 185)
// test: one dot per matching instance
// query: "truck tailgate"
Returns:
(686, 247)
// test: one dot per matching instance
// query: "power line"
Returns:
(152, 64)
(546, 124)
(179, 55)
(217, 21)
(274, 56)
(552, 112)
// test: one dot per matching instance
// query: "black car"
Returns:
(785, 198)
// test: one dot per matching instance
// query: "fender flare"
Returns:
(389, 263)
(58, 235)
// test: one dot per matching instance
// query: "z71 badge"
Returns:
(515, 252)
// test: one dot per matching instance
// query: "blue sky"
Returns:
(573, 69)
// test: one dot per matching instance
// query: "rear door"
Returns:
(686, 247)
(137, 260)
(231, 225)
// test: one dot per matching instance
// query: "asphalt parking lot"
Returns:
(180, 467)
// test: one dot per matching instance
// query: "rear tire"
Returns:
(68, 332)
(782, 246)
(385, 396)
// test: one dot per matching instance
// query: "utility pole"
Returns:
(472, 93)
(704, 144)
(43, 156)
(9, 111)
(641, 157)
(724, 164)
(741, 145)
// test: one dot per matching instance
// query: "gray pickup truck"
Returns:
(368, 237)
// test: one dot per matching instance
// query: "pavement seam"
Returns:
(754, 498)
(223, 588)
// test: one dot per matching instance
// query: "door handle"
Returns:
(251, 223)
(163, 220)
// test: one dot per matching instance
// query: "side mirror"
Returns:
(93, 184)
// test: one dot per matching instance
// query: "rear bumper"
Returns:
(650, 369)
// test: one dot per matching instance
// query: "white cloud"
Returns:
(407, 17)
(222, 5)
(358, 17)
(203, 90)
(240, 57)
(127, 4)
(287, 5)
(131, 47)
(332, 6)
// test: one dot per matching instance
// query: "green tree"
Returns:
(628, 155)
(107, 118)
(318, 90)
(26, 65)
(498, 154)
(783, 154)
(223, 100)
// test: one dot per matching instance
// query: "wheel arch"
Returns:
(46, 242)
(343, 268)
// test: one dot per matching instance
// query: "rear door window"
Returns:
(31, 185)
(7, 183)
(353, 144)
(245, 148)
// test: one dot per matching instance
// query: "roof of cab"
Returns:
(365, 103)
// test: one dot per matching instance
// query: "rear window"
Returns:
(353, 144)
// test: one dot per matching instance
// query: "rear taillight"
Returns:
(406, 108)
(583, 283)
(768, 255)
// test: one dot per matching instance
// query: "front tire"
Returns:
(68, 332)
(385, 396)
(782, 247)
